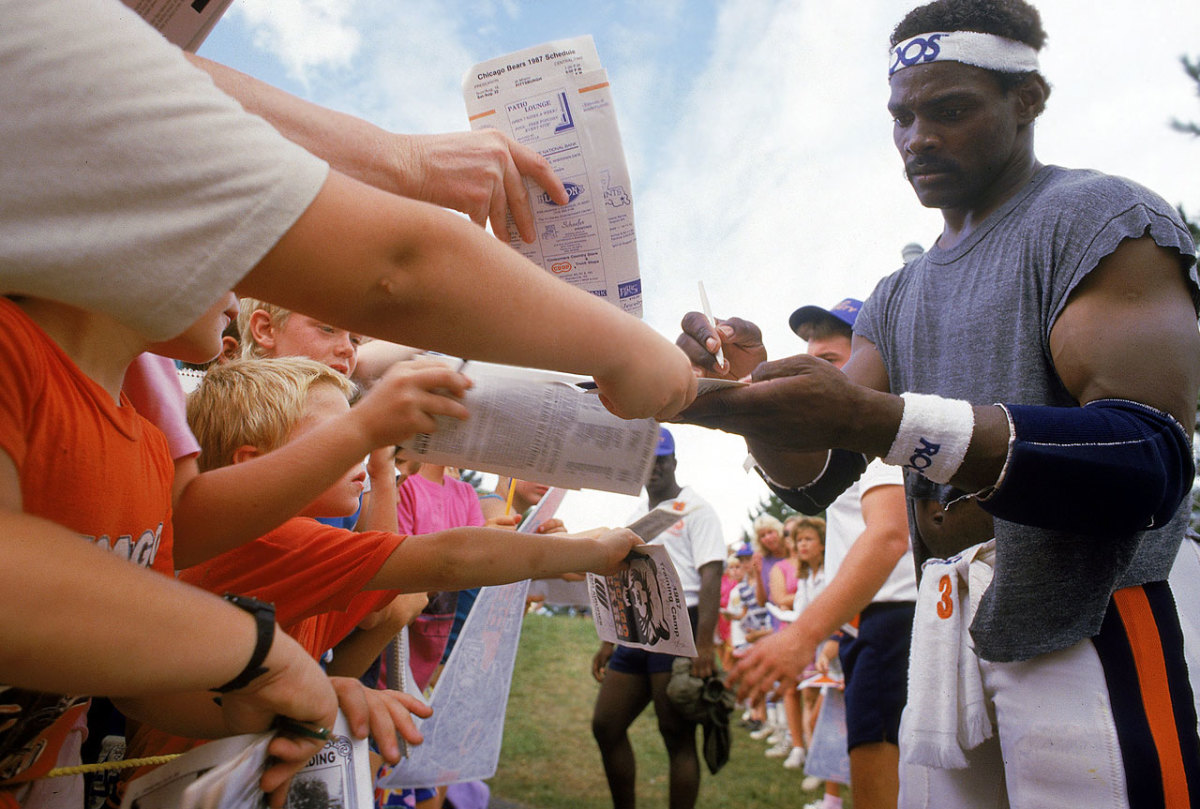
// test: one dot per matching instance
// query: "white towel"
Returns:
(946, 712)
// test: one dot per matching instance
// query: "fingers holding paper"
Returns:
(482, 174)
(614, 545)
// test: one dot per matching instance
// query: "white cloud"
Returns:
(304, 35)
(410, 75)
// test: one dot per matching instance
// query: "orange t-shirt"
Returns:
(314, 574)
(305, 568)
(91, 465)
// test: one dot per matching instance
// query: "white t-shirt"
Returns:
(692, 542)
(808, 588)
(844, 524)
(130, 185)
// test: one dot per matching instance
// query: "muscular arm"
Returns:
(1129, 332)
(407, 272)
(1123, 459)
(1154, 358)
(478, 173)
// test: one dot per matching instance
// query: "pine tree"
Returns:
(772, 505)
(1192, 68)
(474, 478)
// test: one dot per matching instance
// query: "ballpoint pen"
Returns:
(709, 317)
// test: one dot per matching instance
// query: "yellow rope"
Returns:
(110, 765)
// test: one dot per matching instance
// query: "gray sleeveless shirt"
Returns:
(974, 323)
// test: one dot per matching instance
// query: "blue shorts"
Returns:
(876, 668)
(627, 660)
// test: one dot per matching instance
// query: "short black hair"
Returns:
(1011, 19)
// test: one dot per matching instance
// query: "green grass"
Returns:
(550, 761)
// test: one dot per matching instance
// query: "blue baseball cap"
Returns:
(666, 442)
(845, 310)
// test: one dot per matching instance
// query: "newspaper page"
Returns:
(462, 737)
(537, 425)
(224, 774)
(643, 605)
(555, 98)
(185, 23)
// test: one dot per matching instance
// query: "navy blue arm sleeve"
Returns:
(843, 468)
(1110, 467)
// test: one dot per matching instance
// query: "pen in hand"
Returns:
(709, 317)
(512, 487)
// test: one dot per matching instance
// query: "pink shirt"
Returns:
(424, 507)
(788, 568)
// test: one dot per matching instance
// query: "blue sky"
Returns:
(757, 139)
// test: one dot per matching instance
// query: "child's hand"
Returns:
(381, 464)
(398, 614)
(829, 651)
(408, 398)
(615, 544)
(381, 714)
(506, 522)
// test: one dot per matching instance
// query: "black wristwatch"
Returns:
(264, 620)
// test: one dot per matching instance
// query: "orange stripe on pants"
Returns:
(1142, 631)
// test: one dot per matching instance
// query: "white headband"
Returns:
(969, 47)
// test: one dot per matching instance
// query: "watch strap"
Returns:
(264, 620)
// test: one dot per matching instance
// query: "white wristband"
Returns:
(933, 437)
